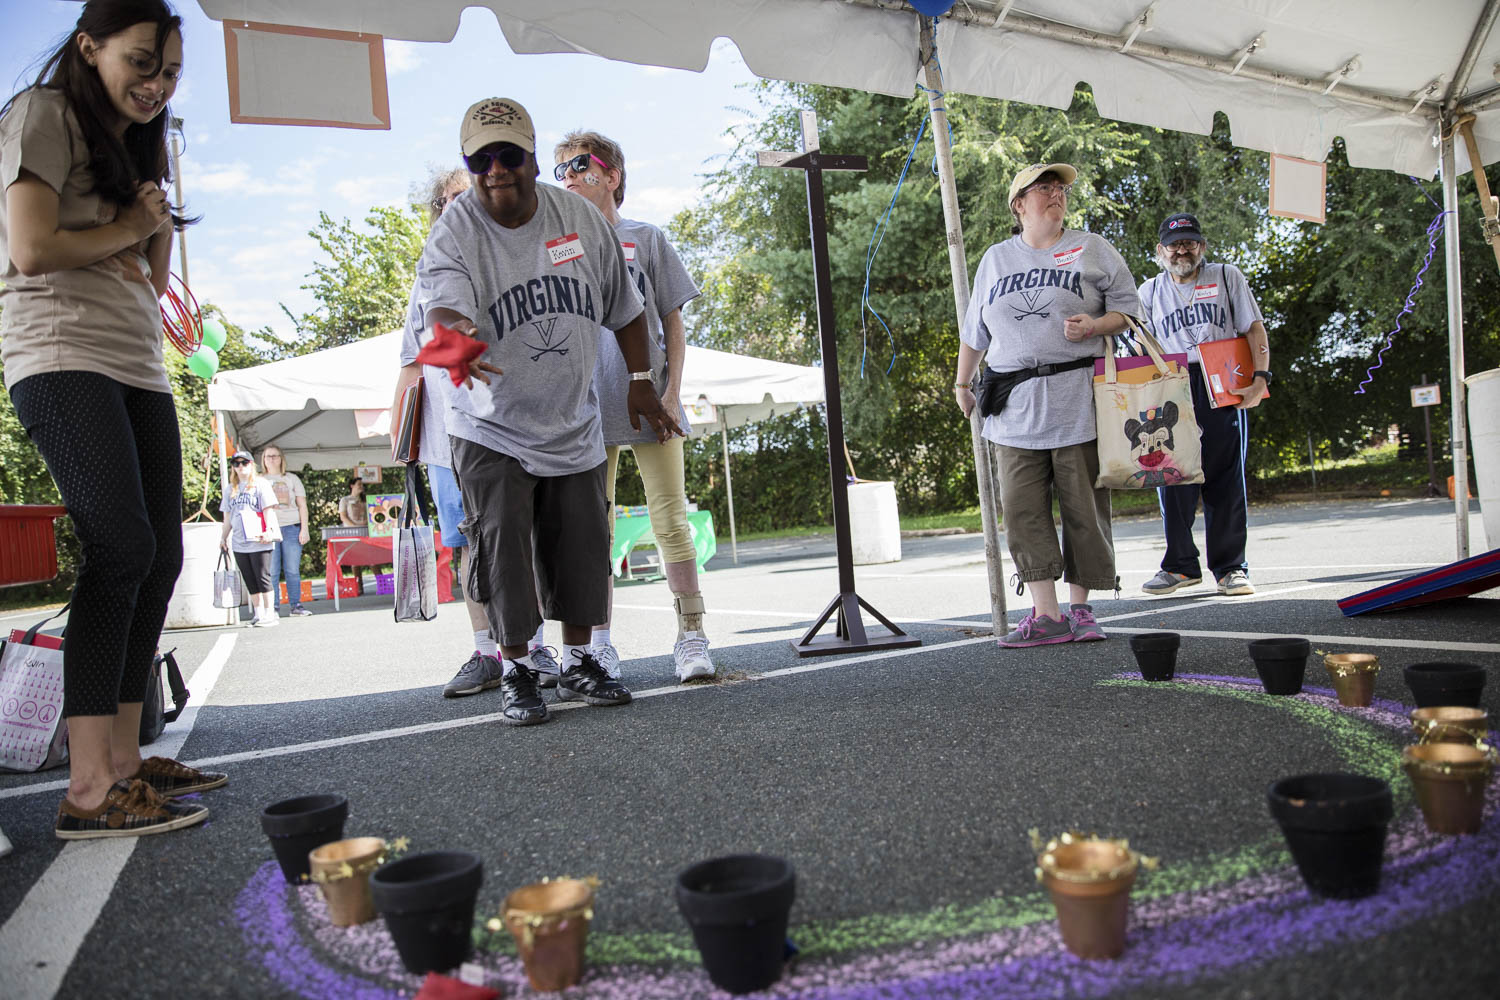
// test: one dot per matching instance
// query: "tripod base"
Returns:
(849, 631)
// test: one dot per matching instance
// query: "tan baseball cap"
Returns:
(1029, 174)
(496, 119)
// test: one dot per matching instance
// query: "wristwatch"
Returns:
(1262, 374)
(640, 376)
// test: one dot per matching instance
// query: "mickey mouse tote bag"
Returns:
(1147, 434)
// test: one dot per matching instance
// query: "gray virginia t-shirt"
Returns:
(539, 295)
(665, 284)
(1021, 298)
(432, 443)
(1217, 305)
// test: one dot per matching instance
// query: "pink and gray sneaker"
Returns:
(1038, 630)
(1085, 628)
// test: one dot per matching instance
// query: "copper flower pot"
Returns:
(550, 922)
(342, 870)
(1089, 879)
(1450, 724)
(1353, 676)
(1450, 781)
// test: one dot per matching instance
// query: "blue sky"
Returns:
(259, 188)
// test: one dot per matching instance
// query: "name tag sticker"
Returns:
(629, 249)
(564, 249)
(1067, 257)
(1201, 292)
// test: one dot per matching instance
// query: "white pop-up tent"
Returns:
(1392, 78)
(331, 409)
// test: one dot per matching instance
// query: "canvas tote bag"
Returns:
(33, 732)
(415, 556)
(1148, 436)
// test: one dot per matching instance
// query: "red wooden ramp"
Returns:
(1457, 579)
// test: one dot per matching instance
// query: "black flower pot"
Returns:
(1280, 663)
(737, 907)
(1335, 826)
(427, 901)
(1156, 654)
(1435, 684)
(296, 826)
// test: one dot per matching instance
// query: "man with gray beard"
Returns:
(1189, 303)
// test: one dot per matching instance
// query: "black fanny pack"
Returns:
(995, 387)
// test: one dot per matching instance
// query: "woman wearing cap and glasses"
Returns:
(1040, 300)
(249, 497)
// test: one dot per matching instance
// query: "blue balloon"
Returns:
(932, 8)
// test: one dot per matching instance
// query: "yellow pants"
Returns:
(666, 496)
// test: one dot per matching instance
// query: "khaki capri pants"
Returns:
(1028, 480)
(662, 474)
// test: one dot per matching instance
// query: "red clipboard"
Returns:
(1227, 365)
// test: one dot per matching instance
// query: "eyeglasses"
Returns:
(239, 462)
(577, 164)
(510, 157)
(1051, 187)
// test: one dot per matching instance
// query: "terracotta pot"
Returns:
(427, 901)
(1156, 654)
(296, 826)
(1353, 676)
(1450, 724)
(1450, 780)
(1445, 683)
(550, 922)
(1281, 663)
(1089, 879)
(342, 870)
(738, 908)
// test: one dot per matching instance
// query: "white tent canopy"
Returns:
(1289, 76)
(331, 409)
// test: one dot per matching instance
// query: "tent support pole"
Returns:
(989, 507)
(1458, 423)
(734, 544)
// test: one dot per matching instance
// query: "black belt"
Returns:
(995, 387)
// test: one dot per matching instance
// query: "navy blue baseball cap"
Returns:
(1179, 227)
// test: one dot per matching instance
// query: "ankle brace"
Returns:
(690, 610)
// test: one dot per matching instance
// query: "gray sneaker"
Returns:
(1165, 583)
(1037, 630)
(544, 664)
(1236, 583)
(479, 673)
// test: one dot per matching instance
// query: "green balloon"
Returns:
(214, 334)
(203, 362)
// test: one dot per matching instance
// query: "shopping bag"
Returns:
(415, 556)
(1148, 436)
(229, 589)
(33, 732)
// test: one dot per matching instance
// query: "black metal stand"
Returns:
(849, 631)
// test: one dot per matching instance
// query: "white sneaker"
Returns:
(607, 657)
(267, 620)
(691, 657)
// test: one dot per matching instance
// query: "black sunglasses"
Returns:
(510, 158)
(240, 461)
(578, 164)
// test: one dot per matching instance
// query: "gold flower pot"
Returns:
(342, 870)
(1450, 724)
(1353, 676)
(1089, 879)
(1450, 781)
(550, 922)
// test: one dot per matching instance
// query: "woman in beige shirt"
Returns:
(85, 242)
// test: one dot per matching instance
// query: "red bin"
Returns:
(28, 548)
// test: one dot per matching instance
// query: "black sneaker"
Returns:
(586, 680)
(521, 702)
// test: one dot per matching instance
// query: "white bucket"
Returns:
(192, 602)
(874, 527)
(1484, 437)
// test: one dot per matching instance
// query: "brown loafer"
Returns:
(170, 779)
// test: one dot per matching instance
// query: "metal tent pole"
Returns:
(989, 507)
(734, 544)
(1458, 423)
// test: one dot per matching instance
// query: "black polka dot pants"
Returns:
(116, 456)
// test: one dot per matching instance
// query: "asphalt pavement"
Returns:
(901, 784)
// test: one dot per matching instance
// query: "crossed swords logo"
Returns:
(544, 330)
(1030, 298)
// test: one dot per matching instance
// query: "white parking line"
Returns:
(41, 938)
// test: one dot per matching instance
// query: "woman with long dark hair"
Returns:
(86, 233)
